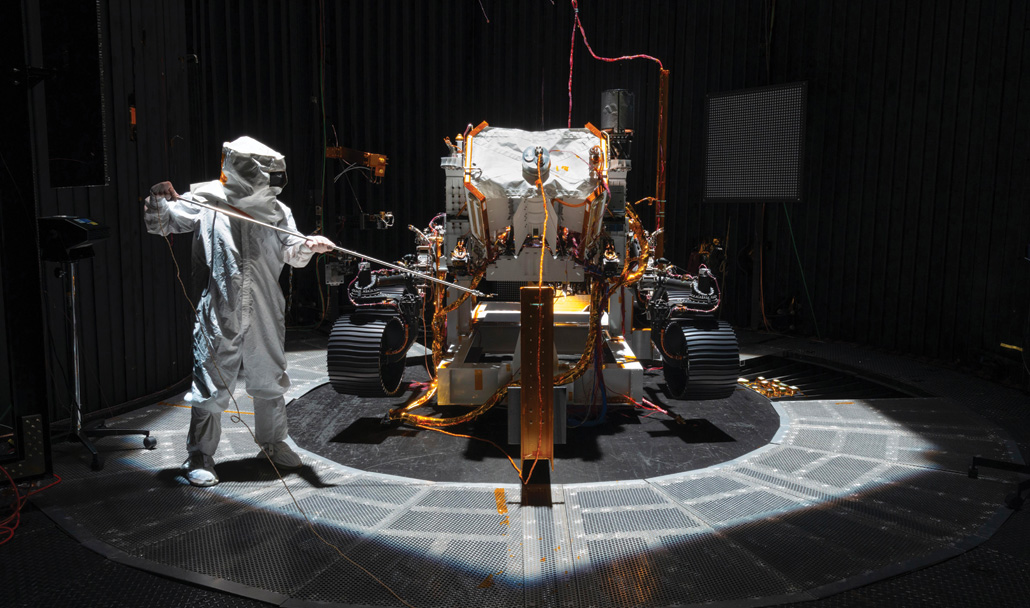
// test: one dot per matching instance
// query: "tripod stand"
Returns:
(79, 432)
(68, 240)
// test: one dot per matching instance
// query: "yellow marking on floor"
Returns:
(489, 581)
(502, 502)
(188, 407)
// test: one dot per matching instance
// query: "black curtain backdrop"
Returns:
(912, 229)
(135, 324)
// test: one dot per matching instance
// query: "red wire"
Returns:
(643, 404)
(609, 59)
(57, 479)
(18, 503)
(572, 51)
(577, 23)
(652, 406)
(6, 526)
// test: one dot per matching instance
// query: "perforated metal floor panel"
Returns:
(848, 492)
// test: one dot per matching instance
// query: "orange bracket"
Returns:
(375, 162)
(594, 130)
(587, 213)
(475, 191)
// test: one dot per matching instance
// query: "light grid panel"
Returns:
(755, 144)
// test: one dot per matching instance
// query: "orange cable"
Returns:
(540, 338)
(510, 459)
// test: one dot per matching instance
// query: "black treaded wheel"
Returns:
(701, 359)
(366, 354)
(149, 442)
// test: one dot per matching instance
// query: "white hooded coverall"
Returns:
(240, 323)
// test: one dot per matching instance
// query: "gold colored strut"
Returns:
(537, 377)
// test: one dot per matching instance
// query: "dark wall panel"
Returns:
(135, 323)
(23, 379)
(913, 225)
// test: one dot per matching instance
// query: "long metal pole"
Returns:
(663, 151)
(335, 247)
(71, 301)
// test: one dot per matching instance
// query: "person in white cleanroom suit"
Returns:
(240, 324)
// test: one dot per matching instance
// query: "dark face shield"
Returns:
(277, 179)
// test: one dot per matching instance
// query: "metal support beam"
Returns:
(537, 373)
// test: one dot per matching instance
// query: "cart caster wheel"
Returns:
(973, 473)
(149, 442)
(97, 464)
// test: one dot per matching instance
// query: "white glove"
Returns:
(319, 243)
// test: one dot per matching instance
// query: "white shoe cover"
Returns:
(282, 455)
(200, 470)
